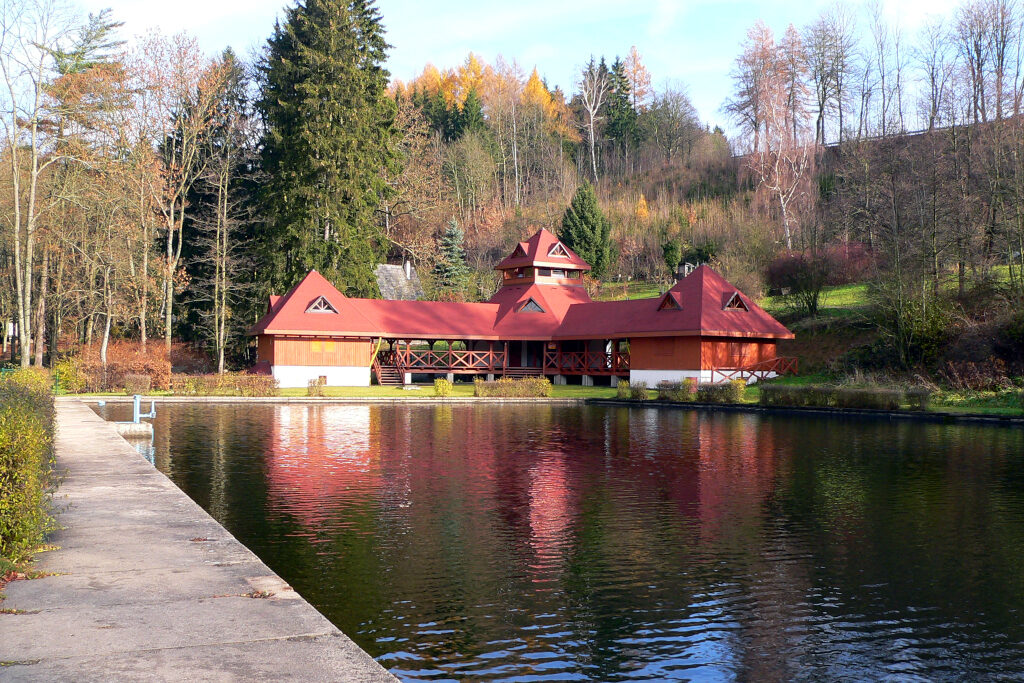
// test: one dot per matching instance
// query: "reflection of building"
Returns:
(541, 322)
(320, 456)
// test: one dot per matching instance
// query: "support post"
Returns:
(615, 380)
(559, 379)
(588, 381)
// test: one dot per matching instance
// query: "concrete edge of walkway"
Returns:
(145, 585)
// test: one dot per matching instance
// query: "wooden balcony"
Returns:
(783, 365)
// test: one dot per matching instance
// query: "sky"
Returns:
(683, 42)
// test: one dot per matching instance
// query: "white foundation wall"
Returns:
(652, 377)
(291, 376)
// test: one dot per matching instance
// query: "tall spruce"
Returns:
(328, 138)
(451, 271)
(587, 231)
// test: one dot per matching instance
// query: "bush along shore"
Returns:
(26, 467)
(824, 395)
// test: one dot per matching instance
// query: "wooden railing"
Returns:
(555, 362)
(783, 365)
(585, 362)
(447, 360)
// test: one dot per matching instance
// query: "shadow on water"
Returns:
(521, 543)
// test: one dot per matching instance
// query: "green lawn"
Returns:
(459, 389)
(637, 289)
(841, 301)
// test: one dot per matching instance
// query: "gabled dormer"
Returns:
(321, 305)
(735, 303)
(531, 306)
(670, 302)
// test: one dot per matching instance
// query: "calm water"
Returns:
(561, 543)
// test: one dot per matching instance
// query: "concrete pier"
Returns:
(148, 587)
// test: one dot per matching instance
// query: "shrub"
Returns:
(315, 387)
(969, 376)
(68, 377)
(228, 384)
(726, 392)
(806, 396)
(877, 398)
(677, 392)
(919, 398)
(442, 387)
(527, 387)
(622, 389)
(690, 388)
(638, 391)
(137, 384)
(26, 462)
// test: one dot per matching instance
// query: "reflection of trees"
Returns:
(654, 537)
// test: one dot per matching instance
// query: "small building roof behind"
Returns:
(398, 284)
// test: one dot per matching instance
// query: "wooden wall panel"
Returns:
(734, 353)
(265, 348)
(665, 353)
(323, 351)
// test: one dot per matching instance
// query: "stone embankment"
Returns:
(145, 585)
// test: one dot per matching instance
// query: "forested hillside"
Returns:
(152, 193)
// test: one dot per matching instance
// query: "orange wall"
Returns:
(265, 348)
(734, 353)
(693, 353)
(664, 353)
(317, 351)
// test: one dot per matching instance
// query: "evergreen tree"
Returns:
(622, 118)
(328, 137)
(471, 118)
(587, 231)
(451, 271)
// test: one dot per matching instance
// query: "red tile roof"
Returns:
(536, 251)
(567, 313)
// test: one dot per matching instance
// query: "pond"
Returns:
(542, 542)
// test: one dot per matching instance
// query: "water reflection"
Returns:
(529, 543)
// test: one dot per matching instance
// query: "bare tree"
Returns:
(30, 30)
(594, 84)
(750, 75)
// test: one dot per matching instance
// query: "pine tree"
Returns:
(622, 118)
(328, 136)
(471, 118)
(587, 231)
(451, 271)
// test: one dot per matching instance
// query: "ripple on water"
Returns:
(542, 543)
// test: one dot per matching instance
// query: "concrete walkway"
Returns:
(151, 588)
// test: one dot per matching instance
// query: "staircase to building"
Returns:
(388, 376)
(519, 373)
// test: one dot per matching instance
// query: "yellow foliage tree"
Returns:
(640, 210)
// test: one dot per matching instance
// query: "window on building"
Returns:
(557, 272)
(669, 303)
(544, 272)
(558, 251)
(531, 306)
(735, 303)
(321, 305)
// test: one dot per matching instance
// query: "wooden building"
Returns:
(540, 322)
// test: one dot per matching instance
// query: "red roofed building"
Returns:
(540, 322)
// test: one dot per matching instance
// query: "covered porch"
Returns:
(396, 360)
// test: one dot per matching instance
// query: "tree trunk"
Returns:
(41, 311)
